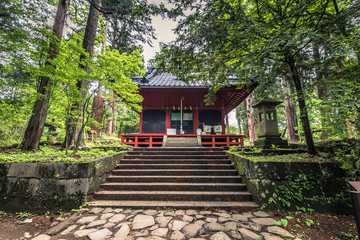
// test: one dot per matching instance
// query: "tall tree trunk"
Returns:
(302, 105)
(88, 45)
(291, 119)
(37, 120)
(251, 118)
(98, 102)
(109, 126)
(109, 119)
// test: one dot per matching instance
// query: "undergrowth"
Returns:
(48, 154)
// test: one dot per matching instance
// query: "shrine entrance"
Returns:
(187, 121)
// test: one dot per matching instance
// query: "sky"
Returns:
(164, 33)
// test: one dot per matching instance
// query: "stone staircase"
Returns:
(174, 178)
(181, 142)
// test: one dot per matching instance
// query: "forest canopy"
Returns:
(67, 65)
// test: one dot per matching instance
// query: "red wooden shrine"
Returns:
(174, 108)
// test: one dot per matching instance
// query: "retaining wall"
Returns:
(319, 186)
(53, 185)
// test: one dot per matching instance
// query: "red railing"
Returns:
(150, 140)
(156, 140)
(222, 140)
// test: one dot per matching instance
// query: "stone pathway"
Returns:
(127, 224)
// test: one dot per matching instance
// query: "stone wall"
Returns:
(319, 186)
(49, 186)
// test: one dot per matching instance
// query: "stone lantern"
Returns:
(268, 125)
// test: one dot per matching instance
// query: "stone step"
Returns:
(172, 172)
(181, 145)
(219, 153)
(175, 139)
(178, 149)
(175, 179)
(175, 166)
(176, 156)
(182, 139)
(173, 195)
(227, 187)
(175, 161)
(244, 206)
(190, 177)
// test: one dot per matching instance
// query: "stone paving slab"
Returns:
(130, 224)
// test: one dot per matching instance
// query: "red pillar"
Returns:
(223, 120)
(196, 119)
(168, 119)
(141, 123)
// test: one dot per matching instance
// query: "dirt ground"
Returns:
(11, 227)
(318, 227)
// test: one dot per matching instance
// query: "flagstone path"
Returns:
(127, 224)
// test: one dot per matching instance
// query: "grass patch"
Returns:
(48, 154)
(296, 157)
(106, 142)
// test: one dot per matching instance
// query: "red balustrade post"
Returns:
(136, 141)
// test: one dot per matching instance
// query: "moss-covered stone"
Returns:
(49, 186)
(4, 168)
(20, 187)
(296, 185)
(47, 170)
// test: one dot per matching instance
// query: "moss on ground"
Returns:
(47, 155)
(295, 157)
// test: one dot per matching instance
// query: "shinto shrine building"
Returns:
(172, 108)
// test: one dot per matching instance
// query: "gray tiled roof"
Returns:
(154, 79)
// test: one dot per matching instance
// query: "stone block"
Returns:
(52, 187)
(27, 170)
(4, 168)
(271, 170)
(21, 187)
(49, 170)
(73, 186)
(94, 183)
(306, 170)
(332, 170)
(74, 170)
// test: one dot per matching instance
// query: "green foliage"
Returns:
(24, 36)
(294, 157)
(299, 194)
(130, 22)
(232, 130)
(128, 120)
(81, 207)
(47, 154)
(349, 236)
(276, 40)
(114, 71)
(3, 214)
(22, 215)
(349, 155)
(283, 222)
(309, 222)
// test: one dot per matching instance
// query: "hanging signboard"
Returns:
(175, 116)
(188, 116)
